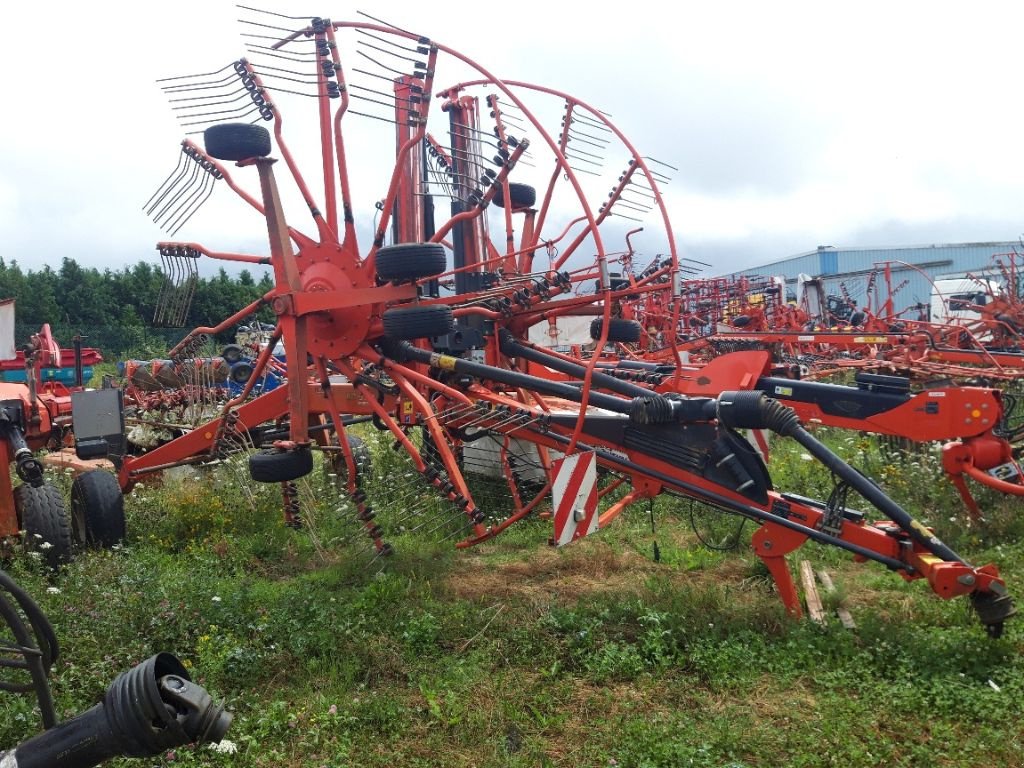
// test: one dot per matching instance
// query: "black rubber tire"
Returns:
(236, 141)
(232, 353)
(363, 460)
(44, 518)
(741, 321)
(418, 322)
(240, 372)
(619, 330)
(521, 195)
(410, 261)
(276, 466)
(97, 510)
(857, 319)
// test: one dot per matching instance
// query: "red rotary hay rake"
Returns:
(426, 334)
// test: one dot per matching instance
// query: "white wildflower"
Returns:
(225, 747)
(994, 687)
(46, 545)
(215, 598)
(52, 591)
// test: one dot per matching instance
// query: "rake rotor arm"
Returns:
(247, 258)
(477, 209)
(295, 235)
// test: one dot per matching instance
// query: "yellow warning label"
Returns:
(407, 406)
(784, 391)
(446, 362)
(869, 339)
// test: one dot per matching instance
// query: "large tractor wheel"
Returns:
(97, 510)
(44, 518)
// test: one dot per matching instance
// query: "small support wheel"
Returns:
(240, 372)
(337, 466)
(97, 510)
(236, 141)
(521, 195)
(410, 261)
(274, 465)
(232, 353)
(619, 330)
(418, 322)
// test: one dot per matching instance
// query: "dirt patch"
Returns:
(564, 576)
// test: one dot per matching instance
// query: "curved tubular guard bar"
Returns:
(1013, 489)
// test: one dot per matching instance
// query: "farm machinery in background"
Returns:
(167, 397)
(973, 328)
(36, 412)
(434, 349)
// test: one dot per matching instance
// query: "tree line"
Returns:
(114, 309)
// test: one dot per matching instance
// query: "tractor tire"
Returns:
(418, 322)
(236, 141)
(741, 321)
(97, 510)
(232, 353)
(276, 466)
(619, 330)
(410, 261)
(44, 518)
(360, 455)
(857, 319)
(521, 195)
(240, 372)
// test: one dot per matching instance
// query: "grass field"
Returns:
(514, 654)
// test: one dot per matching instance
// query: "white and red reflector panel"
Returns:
(574, 496)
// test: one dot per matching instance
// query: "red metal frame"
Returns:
(330, 306)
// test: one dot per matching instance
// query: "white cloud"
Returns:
(792, 123)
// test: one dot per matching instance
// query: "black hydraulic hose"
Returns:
(28, 467)
(509, 346)
(146, 711)
(694, 491)
(407, 351)
(866, 488)
(750, 409)
(637, 365)
(753, 410)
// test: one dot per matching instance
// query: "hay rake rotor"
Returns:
(423, 331)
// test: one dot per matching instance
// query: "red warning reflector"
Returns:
(574, 493)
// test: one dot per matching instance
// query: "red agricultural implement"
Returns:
(432, 349)
(979, 337)
(35, 414)
(972, 419)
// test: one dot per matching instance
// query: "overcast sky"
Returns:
(793, 125)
